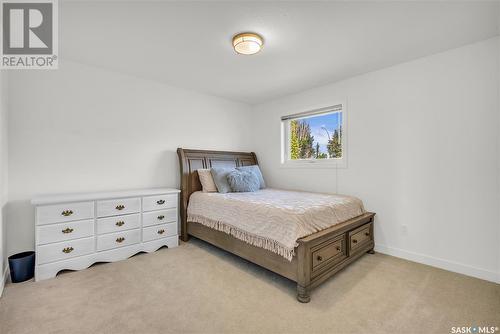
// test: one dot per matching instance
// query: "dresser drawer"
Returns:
(65, 231)
(159, 217)
(360, 236)
(65, 250)
(159, 202)
(329, 253)
(120, 239)
(118, 223)
(115, 207)
(159, 231)
(64, 212)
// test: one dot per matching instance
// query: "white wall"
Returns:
(82, 128)
(422, 152)
(3, 175)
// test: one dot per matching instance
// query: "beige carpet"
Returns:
(198, 288)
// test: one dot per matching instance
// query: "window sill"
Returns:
(313, 164)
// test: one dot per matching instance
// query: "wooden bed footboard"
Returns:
(322, 254)
(317, 257)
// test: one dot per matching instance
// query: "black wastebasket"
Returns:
(22, 266)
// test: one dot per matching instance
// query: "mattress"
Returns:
(272, 219)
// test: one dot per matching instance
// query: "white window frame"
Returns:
(286, 162)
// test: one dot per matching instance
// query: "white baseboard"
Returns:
(440, 263)
(3, 279)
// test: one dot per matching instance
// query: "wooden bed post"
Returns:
(184, 194)
(303, 273)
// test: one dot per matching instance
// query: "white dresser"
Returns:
(74, 231)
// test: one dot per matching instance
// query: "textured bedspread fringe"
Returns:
(245, 236)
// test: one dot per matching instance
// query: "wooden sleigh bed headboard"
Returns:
(191, 160)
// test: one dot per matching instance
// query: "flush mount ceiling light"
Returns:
(247, 43)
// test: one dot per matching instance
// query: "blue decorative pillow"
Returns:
(256, 170)
(243, 181)
(220, 178)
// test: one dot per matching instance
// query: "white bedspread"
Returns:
(270, 218)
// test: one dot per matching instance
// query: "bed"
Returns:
(307, 255)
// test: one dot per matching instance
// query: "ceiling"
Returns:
(307, 44)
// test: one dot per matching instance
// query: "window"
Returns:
(316, 136)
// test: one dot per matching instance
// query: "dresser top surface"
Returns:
(77, 197)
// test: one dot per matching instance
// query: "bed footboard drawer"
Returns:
(329, 253)
(360, 236)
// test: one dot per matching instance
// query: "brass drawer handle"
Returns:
(67, 213)
(68, 250)
(161, 231)
(338, 248)
(161, 217)
(120, 207)
(319, 258)
(120, 223)
(354, 241)
(160, 202)
(367, 234)
(67, 230)
(120, 239)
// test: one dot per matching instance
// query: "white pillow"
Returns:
(207, 181)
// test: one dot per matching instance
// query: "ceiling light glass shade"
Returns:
(247, 43)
